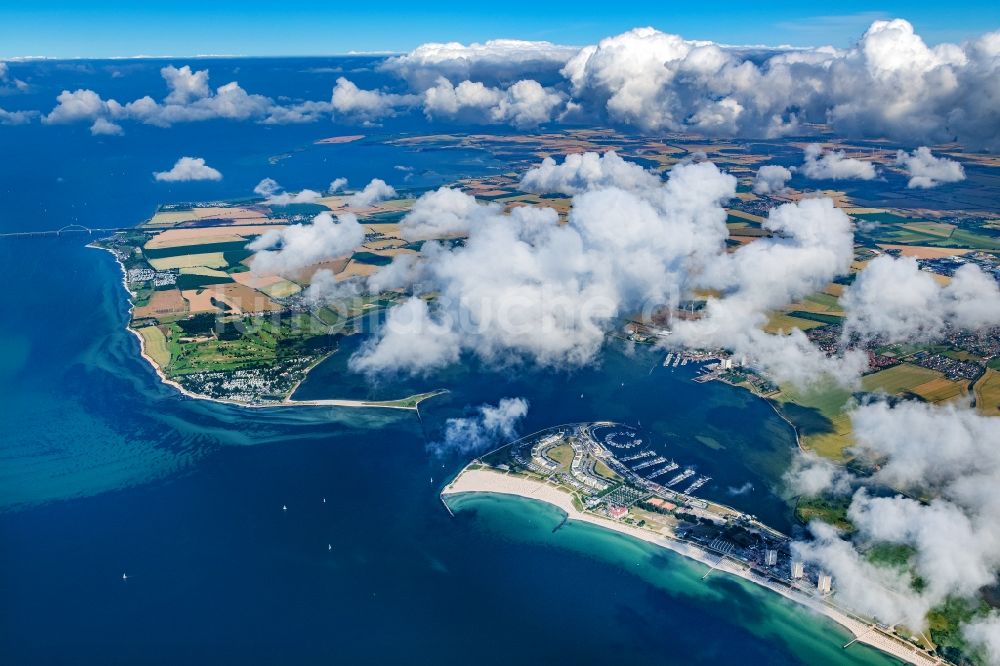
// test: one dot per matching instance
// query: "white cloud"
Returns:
(81, 105)
(524, 104)
(185, 85)
(336, 185)
(410, 341)
(985, 633)
(442, 213)
(105, 127)
(8, 83)
(16, 117)
(527, 104)
(834, 165)
(299, 245)
(813, 244)
(771, 179)
(444, 99)
(524, 286)
(891, 84)
(490, 426)
(189, 100)
(927, 171)
(892, 298)
(946, 452)
(375, 191)
(188, 169)
(494, 61)
(275, 195)
(367, 105)
(810, 475)
(580, 172)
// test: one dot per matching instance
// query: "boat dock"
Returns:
(663, 470)
(680, 477)
(649, 463)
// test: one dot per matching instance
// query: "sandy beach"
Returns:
(480, 480)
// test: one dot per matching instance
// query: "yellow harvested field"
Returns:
(940, 229)
(203, 270)
(899, 378)
(383, 244)
(389, 229)
(200, 300)
(243, 299)
(201, 235)
(922, 252)
(156, 243)
(782, 322)
(745, 216)
(393, 251)
(357, 269)
(340, 204)
(834, 289)
(155, 344)
(941, 389)
(281, 289)
(210, 259)
(305, 275)
(255, 281)
(987, 390)
(982, 160)
(164, 303)
(174, 217)
(864, 211)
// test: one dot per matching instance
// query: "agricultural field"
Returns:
(818, 414)
(211, 323)
(155, 344)
(899, 379)
(783, 322)
(987, 391)
(208, 259)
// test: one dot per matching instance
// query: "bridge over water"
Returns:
(68, 229)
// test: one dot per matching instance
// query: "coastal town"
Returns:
(605, 474)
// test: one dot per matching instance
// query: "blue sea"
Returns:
(316, 535)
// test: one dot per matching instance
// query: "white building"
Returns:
(798, 570)
(770, 557)
(824, 584)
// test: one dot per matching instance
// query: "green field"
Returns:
(562, 454)
(818, 416)
(204, 248)
(816, 316)
(899, 378)
(155, 344)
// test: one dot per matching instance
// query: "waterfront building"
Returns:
(798, 570)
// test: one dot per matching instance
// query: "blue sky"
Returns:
(102, 28)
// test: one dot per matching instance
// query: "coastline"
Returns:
(488, 481)
(287, 402)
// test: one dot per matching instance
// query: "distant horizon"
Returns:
(59, 30)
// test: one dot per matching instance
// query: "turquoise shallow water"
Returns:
(105, 471)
